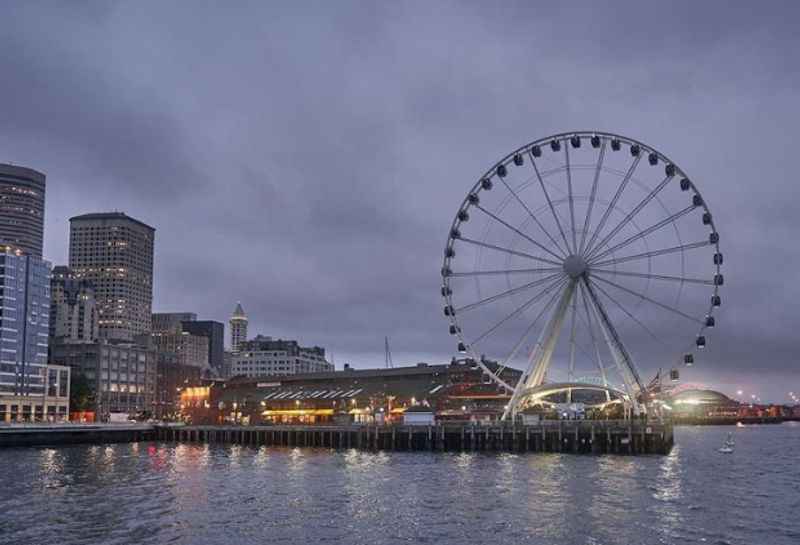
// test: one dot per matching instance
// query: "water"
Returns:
(189, 493)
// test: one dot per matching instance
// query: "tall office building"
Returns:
(24, 324)
(115, 253)
(73, 308)
(170, 336)
(171, 321)
(215, 333)
(238, 323)
(22, 209)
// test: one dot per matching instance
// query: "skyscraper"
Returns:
(115, 253)
(24, 307)
(215, 333)
(238, 323)
(73, 308)
(22, 208)
(171, 321)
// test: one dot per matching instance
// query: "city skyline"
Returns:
(322, 198)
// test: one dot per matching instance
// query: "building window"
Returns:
(52, 382)
(63, 383)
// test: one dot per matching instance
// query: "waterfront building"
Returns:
(215, 333)
(51, 406)
(24, 315)
(22, 208)
(121, 375)
(115, 252)
(238, 323)
(73, 308)
(701, 404)
(265, 356)
(171, 380)
(171, 321)
(452, 391)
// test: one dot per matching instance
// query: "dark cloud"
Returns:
(308, 159)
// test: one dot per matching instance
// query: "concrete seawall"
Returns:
(47, 435)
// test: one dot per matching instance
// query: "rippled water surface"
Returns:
(190, 493)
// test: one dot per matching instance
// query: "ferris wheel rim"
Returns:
(597, 253)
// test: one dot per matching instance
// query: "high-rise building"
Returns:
(115, 253)
(238, 323)
(265, 356)
(170, 336)
(24, 325)
(171, 321)
(73, 309)
(215, 333)
(191, 350)
(22, 209)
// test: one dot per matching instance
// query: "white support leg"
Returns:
(630, 376)
(539, 360)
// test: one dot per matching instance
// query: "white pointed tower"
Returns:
(238, 323)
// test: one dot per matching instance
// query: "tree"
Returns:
(81, 396)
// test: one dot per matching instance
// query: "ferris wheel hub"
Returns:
(575, 266)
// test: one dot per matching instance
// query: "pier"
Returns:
(578, 437)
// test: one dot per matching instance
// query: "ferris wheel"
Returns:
(593, 235)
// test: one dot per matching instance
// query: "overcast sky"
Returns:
(308, 158)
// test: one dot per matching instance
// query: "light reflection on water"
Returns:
(228, 494)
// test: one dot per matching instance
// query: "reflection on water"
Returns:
(195, 493)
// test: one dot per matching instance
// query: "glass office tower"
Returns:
(24, 323)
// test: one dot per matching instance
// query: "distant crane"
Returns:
(388, 353)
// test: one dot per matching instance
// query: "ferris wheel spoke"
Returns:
(590, 328)
(520, 309)
(649, 300)
(622, 357)
(520, 233)
(666, 277)
(498, 272)
(508, 251)
(550, 203)
(592, 196)
(506, 293)
(571, 200)
(534, 218)
(579, 347)
(653, 228)
(653, 253)
(613, 203)
(526, 334)
(650, 196)
(628, 313)
(571, 371)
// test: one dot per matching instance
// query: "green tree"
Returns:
(81, 396)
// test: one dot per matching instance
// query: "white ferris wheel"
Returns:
(581, 258)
